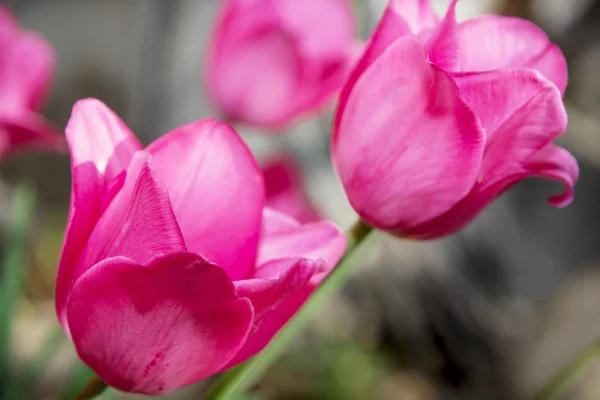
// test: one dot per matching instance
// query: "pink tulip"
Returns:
(269, 61)
(285, 190)
(172, 269)
(26, 68)
(432, 128)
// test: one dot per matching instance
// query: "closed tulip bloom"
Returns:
(26, 69)
(439, 118)
(269, 61)
(172, 269)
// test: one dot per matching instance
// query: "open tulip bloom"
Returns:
(172, 269)
(439, 118)
(270, 61)
(26, 68)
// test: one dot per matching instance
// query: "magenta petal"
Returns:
(96, 134)
(217, 191)
(273, 285)
(493, 42)
(29, 130)
(138, 224)
(418, 13)
(556, 163)
(26, 66)
(316, 240)
(154, 328)
(553, 65)
(551, 162)
(34, 57)
(519, 148)
(497, 95)
(391, 27)
(442, 46)
(407, 148)
(527, 130)
(101, 148)
(323, 28)
(274, 222)
(285, 189)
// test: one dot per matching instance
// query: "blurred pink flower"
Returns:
(269, 61)
(26, 68)
(431, 128)
(172, 269)
(285, 190)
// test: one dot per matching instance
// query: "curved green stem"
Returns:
(561, 381)
(93, 388)
(238, 380)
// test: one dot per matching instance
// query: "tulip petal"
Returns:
(273, 283)
(493, 42)
(139, 224)
(323, 28)
(443, 46)
(527, 130)
(417, 13)
(101, 148)
(285, 190)
(26, 69)
(497, 95)
(36, 67)
(391, 27)
(551, 162)
(274, 222)
(407, 147)
(96, 134)
(154, 328)
(29, 130)
(257, 76)
(315, 240)
(520, 147)
(217, 191)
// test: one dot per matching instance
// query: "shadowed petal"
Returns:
(271, 285)
(29, 130)
(216, 190)
(285, 189)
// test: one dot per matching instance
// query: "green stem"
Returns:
(93, 388)
(564, 379)
(240, 379)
